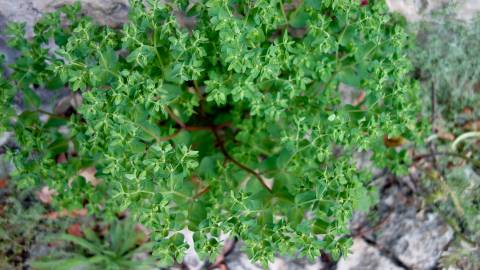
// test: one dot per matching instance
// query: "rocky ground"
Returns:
(415, 10)
(403, 235)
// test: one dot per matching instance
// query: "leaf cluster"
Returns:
(121, 247)
(220, 116)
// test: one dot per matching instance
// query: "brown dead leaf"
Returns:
(393, 142)
(52, 215)
(467, 111)
(472, 125)
(79, 212)
(447, 136)
(75, 213)
(89, 175)
(3, 183)
(75, 230)
(45, 195)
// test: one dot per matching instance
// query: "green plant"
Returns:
(123, 246)
(219, 116)
(22, 225)
(446, 57)
(449, 69)
(19, 228)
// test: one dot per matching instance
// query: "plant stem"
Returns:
(174, 117)
(221, 145)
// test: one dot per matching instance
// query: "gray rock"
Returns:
(109, 12)
(415, 10)
(416, 240)
(7, 52)
(191, 260)
(6, 167)
(5, 137)
(402, 233)
(365, 257)
(281, 263)
(19, 11)
(414, 237)
(237, 260)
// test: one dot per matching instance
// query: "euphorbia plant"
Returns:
(220, 116)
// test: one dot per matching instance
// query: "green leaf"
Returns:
(364, 199)
(321, 226)
(31, 98)
(55, 122)
(82, 243)
(196, 214)
(305, 197)
(207, 166)
(299, 18)
(54, 83)
(315, 4)
(58, 146)
(142, 55)
(61, 264)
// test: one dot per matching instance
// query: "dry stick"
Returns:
(240, 165)
(432, 120)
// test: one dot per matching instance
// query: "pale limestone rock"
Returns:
(281, 263)
(4, 137)
(416, 240)
(238, 260)
(365, 257)
(19, 11)
(110, 12)
(416, 10)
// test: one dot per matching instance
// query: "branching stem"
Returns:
(175, 118)
(219, 141)
(221, 145)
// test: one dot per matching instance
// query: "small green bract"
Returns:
(221, 116)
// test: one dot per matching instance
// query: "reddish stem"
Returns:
(240, 165)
